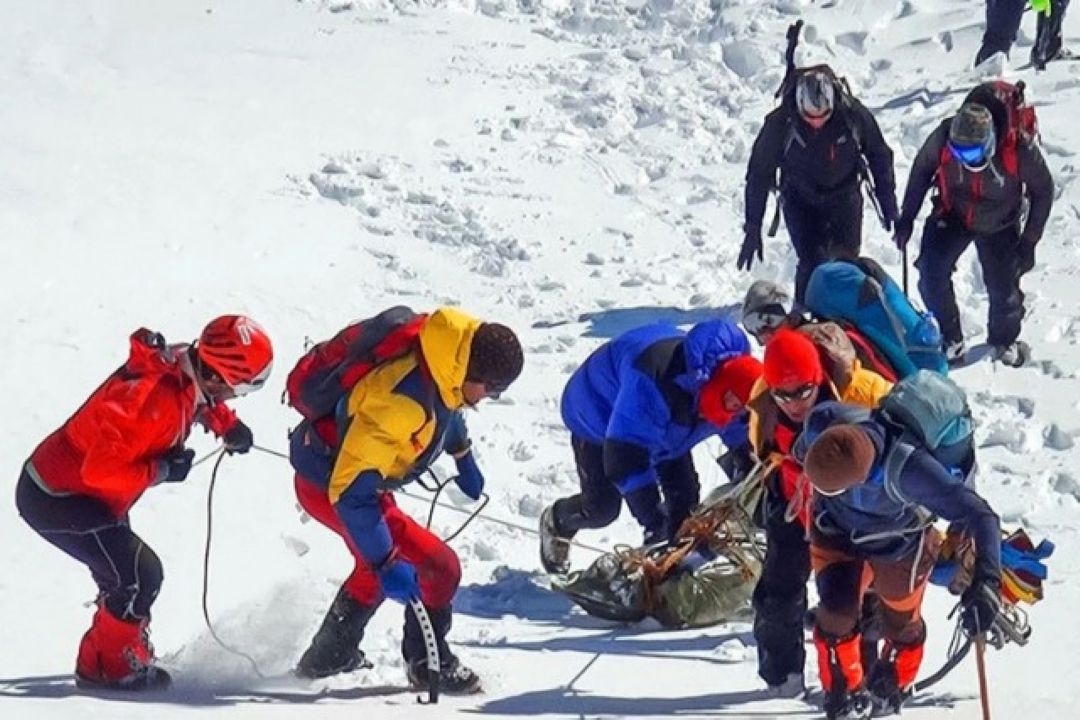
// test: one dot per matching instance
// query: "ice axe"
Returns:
(431, 645)
(980, 663)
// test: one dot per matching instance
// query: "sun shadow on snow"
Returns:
(184, 692)
(565, 701)
(614, 322)
(517, 593)
(637, 642)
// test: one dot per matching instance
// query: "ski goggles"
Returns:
(971, 154)
(241, 389)
(222, 389)
(765, 318)
(799, 394)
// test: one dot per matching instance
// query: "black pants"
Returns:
(780, 596)
(127, 572)
(943, 243)
(599, 502)
(823, 232)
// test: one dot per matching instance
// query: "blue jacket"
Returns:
(637, 397)
(884, 516)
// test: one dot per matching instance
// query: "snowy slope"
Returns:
(572, 169)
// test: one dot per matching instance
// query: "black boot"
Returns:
(336, 646)
(454, 678)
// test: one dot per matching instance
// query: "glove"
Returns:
(238, 439)
(751, 246)
(902, 233)
(469, 479)
(737, 463)
(176, 464)
(399, 581)
(982, 603)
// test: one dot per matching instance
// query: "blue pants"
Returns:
(127, 572)
(999, 254)
(599, 502)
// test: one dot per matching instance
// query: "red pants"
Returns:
(437, 566)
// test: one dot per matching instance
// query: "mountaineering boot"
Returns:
(554, 548)
(115, 654)
(336, 646)
(893, 674)
(794, 686)
(1014, 355)
(954, 352)
(454, 677)
(854, 706)
(840, 667)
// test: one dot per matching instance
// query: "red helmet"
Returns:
(238, 350)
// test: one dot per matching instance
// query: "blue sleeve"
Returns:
(926, 482)
(737, 432)
(634, 432)
(359, 510)
(457, 434)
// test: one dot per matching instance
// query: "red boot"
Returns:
(841, 670)
(115, 654)
(893, 675)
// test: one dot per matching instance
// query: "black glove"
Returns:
(176, 464)
(902, 230)
(982, 603)
(239, 439)
(751, 246)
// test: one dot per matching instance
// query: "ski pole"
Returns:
(903, 261)
(431, 645)
(980, 662)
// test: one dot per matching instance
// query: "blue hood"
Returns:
(707, 346)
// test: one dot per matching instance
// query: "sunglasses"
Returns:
(786, 397)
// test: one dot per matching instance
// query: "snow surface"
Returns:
(570, 168)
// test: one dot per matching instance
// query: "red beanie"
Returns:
(791, 358)
(737, 375)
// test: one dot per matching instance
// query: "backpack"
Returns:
(931, 411)
(862, 294)
(330, 369)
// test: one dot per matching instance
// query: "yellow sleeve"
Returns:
(379, 438)
(866, 389)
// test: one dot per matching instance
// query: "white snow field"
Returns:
(572, 169)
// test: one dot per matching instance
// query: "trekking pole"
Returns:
(980, 663)
(903, 262)
(431, 645)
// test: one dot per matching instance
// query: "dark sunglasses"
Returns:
(785, 397)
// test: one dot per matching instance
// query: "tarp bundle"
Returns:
(705, 577)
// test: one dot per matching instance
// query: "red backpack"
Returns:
(330, 369)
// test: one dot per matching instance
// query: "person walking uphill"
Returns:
(795, 380)
(985, 166)
(635, 409)
(820, 140)
(873, 487)
(80, 482)
(398, 417)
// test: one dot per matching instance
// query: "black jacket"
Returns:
(818, 166)
(984, 202)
